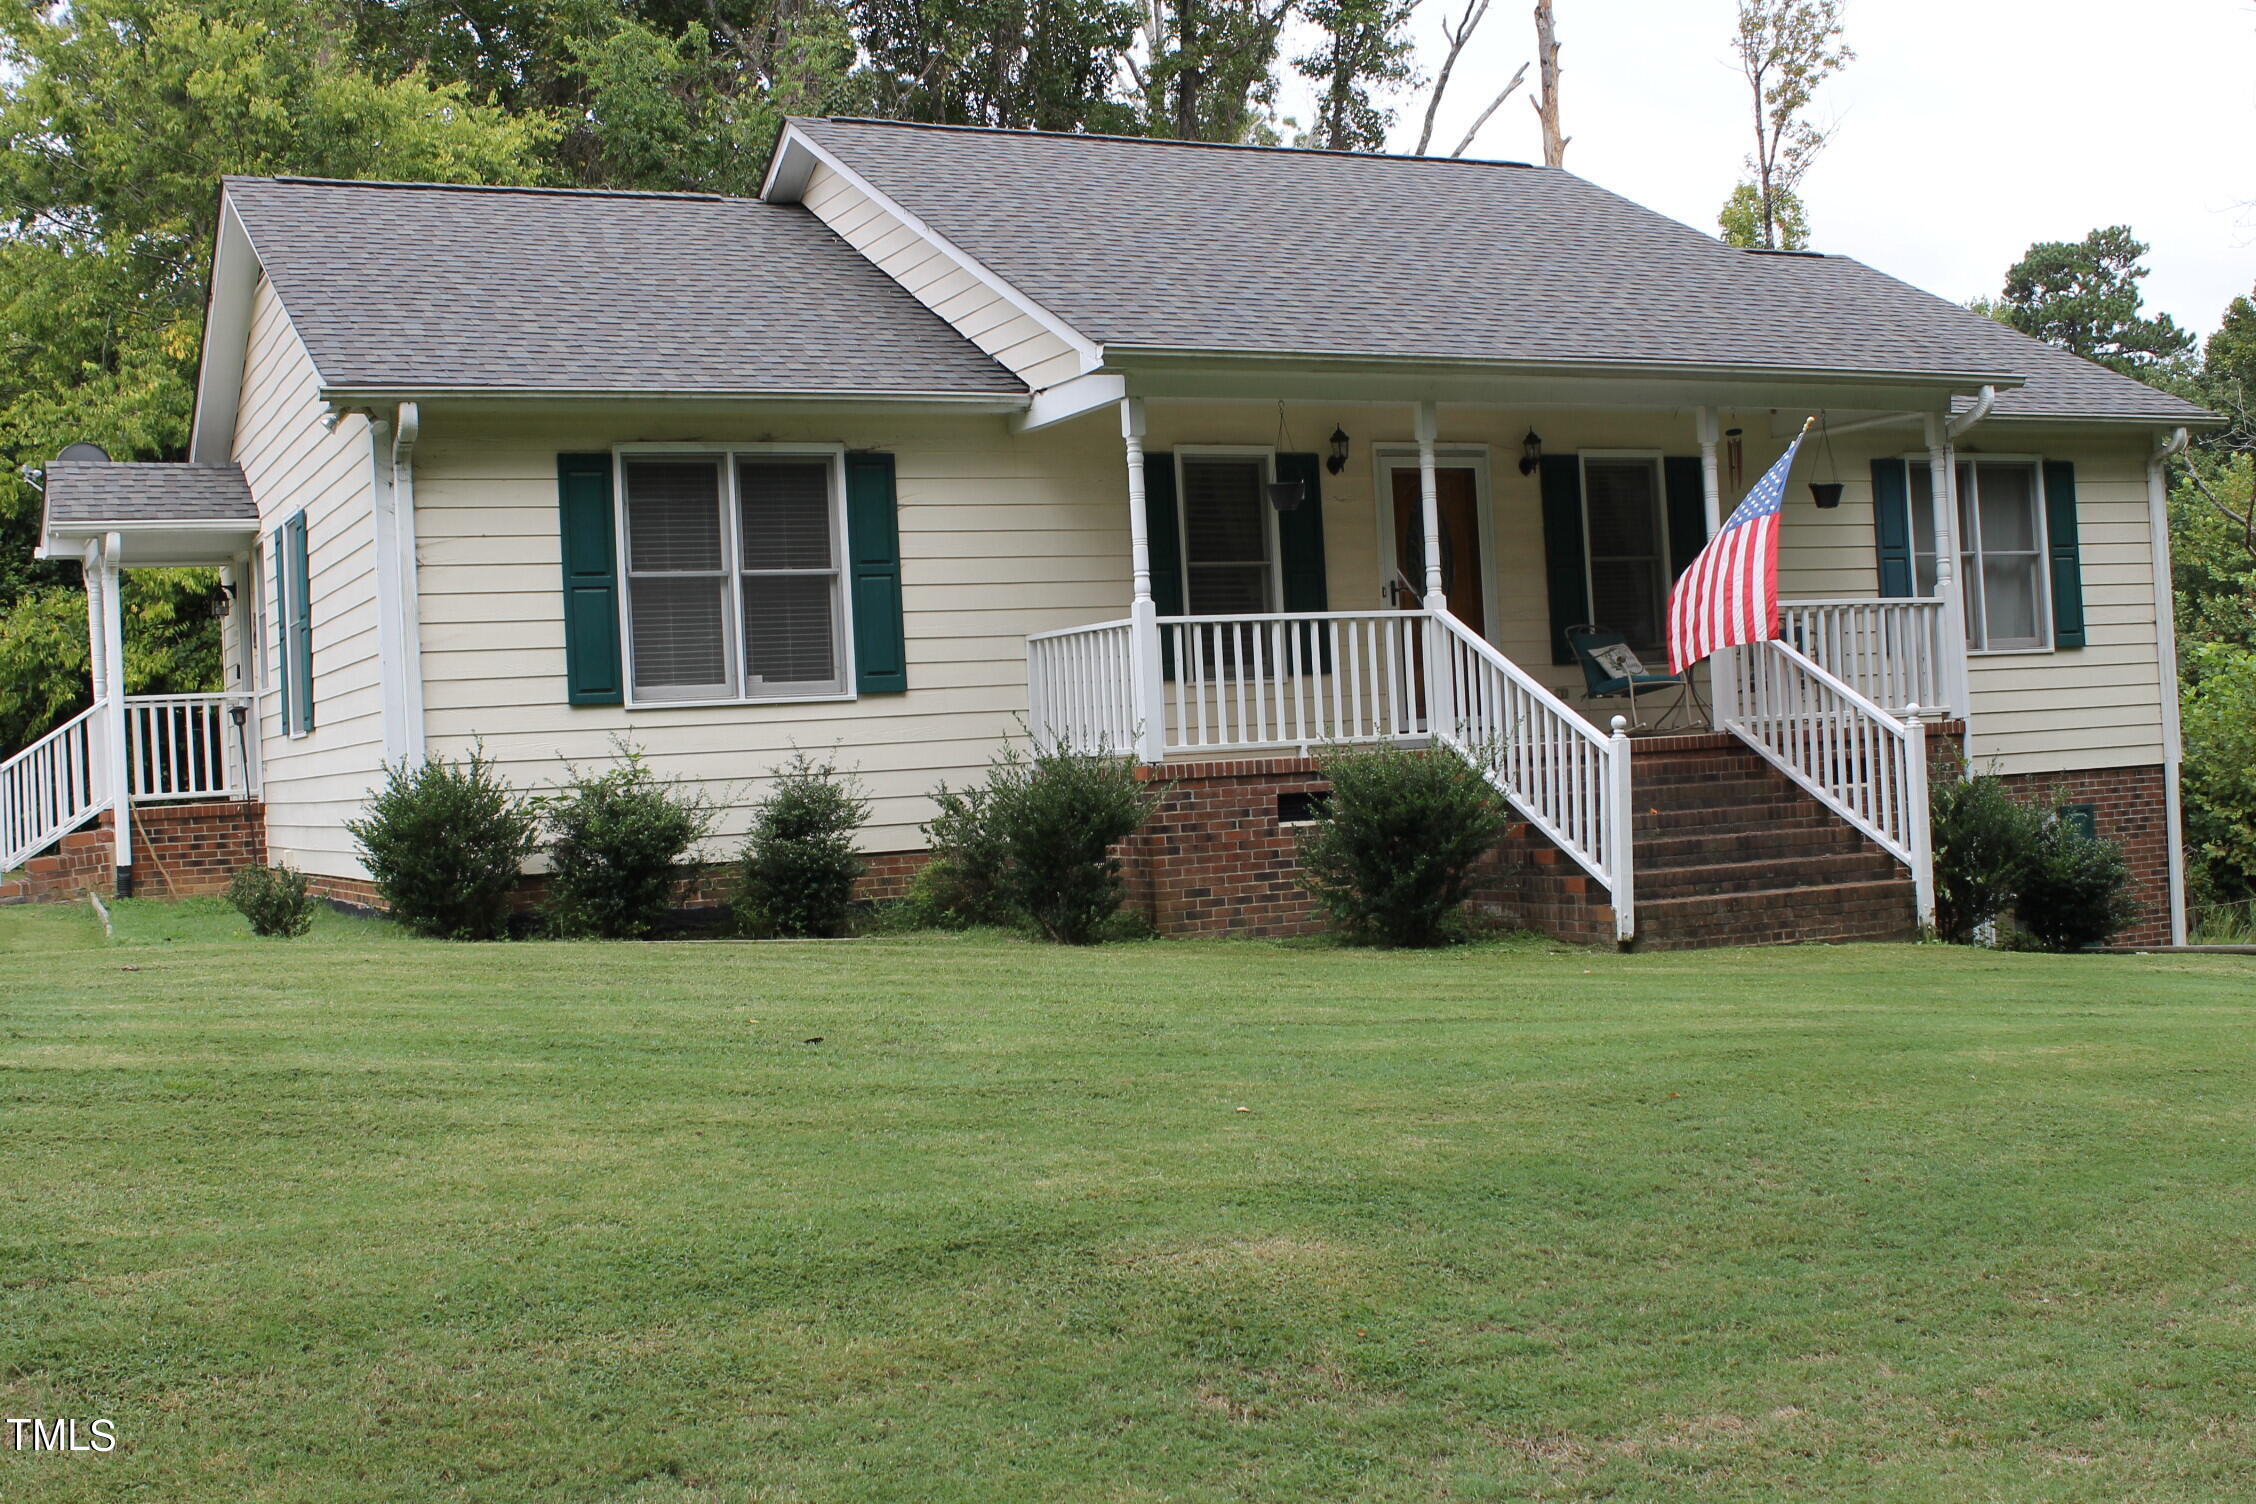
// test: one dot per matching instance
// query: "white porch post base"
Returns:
(1146, 690)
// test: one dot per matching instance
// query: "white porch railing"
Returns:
(1864, 764)
(1893, 652)
(1291, 680)
(185, 747)
(1252, 683)
(1568, 778)
(52, 786)
(1080, 687)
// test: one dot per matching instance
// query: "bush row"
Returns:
(2021, 870)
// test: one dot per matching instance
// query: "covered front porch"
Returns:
(1453, 552)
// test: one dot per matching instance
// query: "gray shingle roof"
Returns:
(84, 491)
(1179, 246)
(415, 286)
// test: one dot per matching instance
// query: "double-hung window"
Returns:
(2001, 558)
(1625, 529)
(1229, 564)
(732, 575)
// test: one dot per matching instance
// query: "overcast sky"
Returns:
(1966, 128)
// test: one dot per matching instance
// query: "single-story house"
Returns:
(1212, 454)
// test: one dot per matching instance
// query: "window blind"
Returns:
(677, 598)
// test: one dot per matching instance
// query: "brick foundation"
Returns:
(2130, 808)
(179, 851)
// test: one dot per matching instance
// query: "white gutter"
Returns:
(1984, 400)
(2166, 653)
(404, 434)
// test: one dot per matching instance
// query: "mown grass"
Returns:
(964, 1218)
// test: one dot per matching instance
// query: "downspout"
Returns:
(405, 432)
(2166, 654)
(1984, 400)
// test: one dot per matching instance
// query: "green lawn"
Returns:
(363, 1218)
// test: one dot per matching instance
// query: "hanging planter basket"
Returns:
(1287, 495)
(1827, 494)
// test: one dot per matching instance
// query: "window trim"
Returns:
(842, 617)
(1271, 541)
(1656, 461)
(1968, 521)
(262, 657)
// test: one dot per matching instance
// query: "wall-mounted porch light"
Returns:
(1338, 461)
(220, 602)
(1531, 452)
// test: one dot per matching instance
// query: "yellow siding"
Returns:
(314, 784)
(983, 316)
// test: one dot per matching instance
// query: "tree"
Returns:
(1742, 219)
(1457, 36)
(1364, 51)
(1209, 69)
(118, 116)
(1016, 64)
(2084, 296)
(1547, 102)
(1786, 48)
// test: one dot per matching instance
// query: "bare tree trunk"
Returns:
(1547, 106)
(1474, 10)
(1517, 79)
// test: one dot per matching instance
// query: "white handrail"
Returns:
(1864, 764)
(1079, 688)
(1569, 779)
(1290, 679)
(184, 747)
(51, 787)
(1893, 652)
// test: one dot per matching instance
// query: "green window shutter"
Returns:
(1891, 526)
(278, 557)
(1300, 551)
(1564, 568)
(591, 580)
(2067, 556)
(1687, 510)
(873, 538)
(1164, 535)
(301, 625)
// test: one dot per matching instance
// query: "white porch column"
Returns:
(1723, 684)
(1429, 503)
(1942, 490)
(113, 674)
(97, 648)
(1147, 693)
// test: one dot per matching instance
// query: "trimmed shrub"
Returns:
(616, 843)
(1055, 819)
(273, 899)
(443, 842)
(962, 884)
(1982, 837)
(799, 862)
(2076, 890)
(1390, 854)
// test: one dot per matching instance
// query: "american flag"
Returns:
(1729, 595)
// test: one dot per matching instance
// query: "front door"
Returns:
(1459, 496)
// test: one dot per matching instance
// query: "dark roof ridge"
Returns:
(535, 189)
(1256, 146)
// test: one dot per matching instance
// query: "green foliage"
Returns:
(1742, 219)
(1056, 818)
(172, 647)
(1018, 64)
(273, 899)
(2084, 296)
(2220, 769)
(2213, 555)
(444, 843)
(1362, 50)
(1785, 48)
(1210, 74)
(2076, 889)
(1390, 853)
(1982, 838)
(799, 862)
(616, 843)
(963, 882)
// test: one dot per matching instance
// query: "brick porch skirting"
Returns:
(2129, 807)
(179, 851)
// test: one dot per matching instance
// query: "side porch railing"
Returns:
(1866, 765)
(178, 747)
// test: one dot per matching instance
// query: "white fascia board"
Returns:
(360, 399)
(227, 338)
(1070, 399)
(788, 180)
